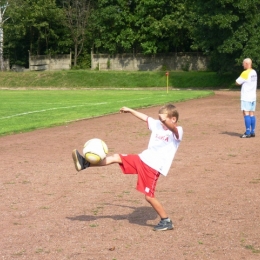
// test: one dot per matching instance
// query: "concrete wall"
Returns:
(7, 64)
(48, 62)
(169, 61)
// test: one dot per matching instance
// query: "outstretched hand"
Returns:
(133, 112)
(125, 110)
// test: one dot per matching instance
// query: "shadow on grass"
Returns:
(139, 216)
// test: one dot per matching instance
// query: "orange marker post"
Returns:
(167, 80)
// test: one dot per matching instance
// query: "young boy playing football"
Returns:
(156, 160)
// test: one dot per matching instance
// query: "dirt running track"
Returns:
(212, 193)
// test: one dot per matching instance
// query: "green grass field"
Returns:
(26, 110)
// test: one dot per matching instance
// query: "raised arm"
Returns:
(170, 123)
(134, 113)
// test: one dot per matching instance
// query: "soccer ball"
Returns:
(95, 150)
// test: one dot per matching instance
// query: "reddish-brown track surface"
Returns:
(212, 192)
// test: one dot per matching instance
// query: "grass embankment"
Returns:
(115, 79)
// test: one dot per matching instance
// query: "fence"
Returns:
(50, 62)
(133, 62)
(6, 65)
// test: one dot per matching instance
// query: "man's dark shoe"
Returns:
(163, 225)
(252, 134)
(80, 162)
(245, 136)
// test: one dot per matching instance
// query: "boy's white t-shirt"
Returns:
(161, 148)
(248, 80)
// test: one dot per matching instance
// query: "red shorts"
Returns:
(147, 176)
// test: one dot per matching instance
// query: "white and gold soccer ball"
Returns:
(95, 150)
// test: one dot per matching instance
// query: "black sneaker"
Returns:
(79, 161)
(245, 136)
(163, 225)
(252, 135)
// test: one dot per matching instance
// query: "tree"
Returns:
(35, 25)
(147, 26)
(77, 13)
(3, 7)
(163, 26)
(228, 31)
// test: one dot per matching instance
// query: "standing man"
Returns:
(248, 82)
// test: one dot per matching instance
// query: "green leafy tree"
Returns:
(228, 31)
(35, 26)
(163, 26)
(113, 26)
(146, 26)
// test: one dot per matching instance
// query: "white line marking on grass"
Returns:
(49, 109)
(56, 108)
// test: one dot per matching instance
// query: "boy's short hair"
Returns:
(170, 110)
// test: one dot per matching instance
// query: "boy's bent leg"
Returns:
(115, 158)
(157, 206)
(165, 223)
